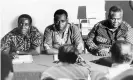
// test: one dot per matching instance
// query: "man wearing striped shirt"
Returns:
(106, 32)
(67, 69)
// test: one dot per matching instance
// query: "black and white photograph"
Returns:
(66, 39)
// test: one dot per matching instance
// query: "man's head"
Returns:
(24, 23)
(68, 54)
(60, 19)
(122, 52)
(6, 67)
(115, 16)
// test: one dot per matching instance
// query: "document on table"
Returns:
(55, 57)
(23, 59)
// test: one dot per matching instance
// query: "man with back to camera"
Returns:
(25, 39)
(60, 33)
(67, 68)
(121, 69)
(106, 32)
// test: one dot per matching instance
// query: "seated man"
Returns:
(6, 67)
(23, 39)
(122, 56)
(60, 33)
(68, 68)
(106, 32)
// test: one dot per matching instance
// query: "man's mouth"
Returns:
(24, 31)
(115, 24)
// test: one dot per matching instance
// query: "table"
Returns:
(32, 71)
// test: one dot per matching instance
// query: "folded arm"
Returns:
(77, 37)
(36, 41)
(93, 38)
(90, 45)
(47, 43)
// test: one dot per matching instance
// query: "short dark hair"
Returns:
(116, 52)
(114, 9)
(60, 12)
(68, 53)
(6, 65)
(25, 16)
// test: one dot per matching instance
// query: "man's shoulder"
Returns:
(54, 69)
(35, 32)
(73, 27)
(125, 24)
(128, 71)
(13, 32)
(60, 66)
(126, 75)
(96, 75)
(50, 27)
(33, 28)
(102, 23)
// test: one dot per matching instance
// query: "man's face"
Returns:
(116, 19)
(24, 25)
(60, 22)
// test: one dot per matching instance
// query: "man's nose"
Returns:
(115, 20)
(59, 23)
(25, 27)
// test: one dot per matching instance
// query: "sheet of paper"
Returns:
(55, 57)
(23, 59)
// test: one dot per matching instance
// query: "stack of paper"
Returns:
(23, 59)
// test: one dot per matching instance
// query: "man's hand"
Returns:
(56, 46)
(13, 55)
(80, 47)
(103, 52)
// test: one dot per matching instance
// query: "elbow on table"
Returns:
(50, 52)
(92, 50)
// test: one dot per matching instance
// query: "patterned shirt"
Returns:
(129, 37)
(71, 36)
(18, 42)
(101, 36)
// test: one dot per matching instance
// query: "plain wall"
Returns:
(128, 12)
(42, 11)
